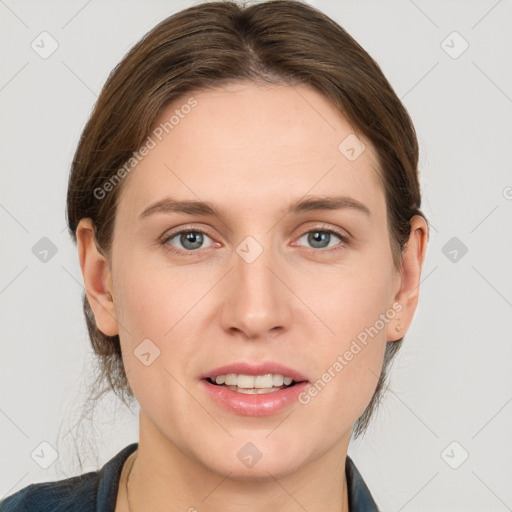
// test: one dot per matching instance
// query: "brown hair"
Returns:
(217, 42)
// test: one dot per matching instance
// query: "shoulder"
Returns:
(95, 491)
(77, 494)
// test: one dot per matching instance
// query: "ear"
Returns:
(413, 256)
(97, 279)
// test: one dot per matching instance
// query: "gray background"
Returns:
(452, 380)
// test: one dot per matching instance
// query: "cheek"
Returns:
(149, 298)
(151, 304)
(146, 309)
(357, 308)
(138, 308)
(354, 300)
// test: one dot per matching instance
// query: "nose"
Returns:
(257, 303)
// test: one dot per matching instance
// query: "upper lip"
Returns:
(246, 368)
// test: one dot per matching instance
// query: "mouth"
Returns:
(253, 384)
(254, 390)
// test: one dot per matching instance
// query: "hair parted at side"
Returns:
(204, 46)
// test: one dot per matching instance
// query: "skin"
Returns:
(251, 149)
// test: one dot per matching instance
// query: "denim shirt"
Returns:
(96, 491)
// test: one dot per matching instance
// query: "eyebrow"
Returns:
(310, 204)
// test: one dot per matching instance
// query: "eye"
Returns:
(189, 239)
(322, 238)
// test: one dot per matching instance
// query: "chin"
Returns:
(262, 471)
(259, 460)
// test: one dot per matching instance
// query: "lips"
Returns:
(253, 398)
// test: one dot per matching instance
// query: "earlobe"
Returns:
(413, 257)
(97, 279)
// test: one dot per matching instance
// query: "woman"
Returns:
(246, 207)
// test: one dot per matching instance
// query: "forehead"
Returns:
(253, 117)
(251, 145)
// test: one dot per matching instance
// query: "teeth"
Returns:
(277, 380)
(263, 381)
(259, 382)
(231, 379)
(254, 391)
(245, 381)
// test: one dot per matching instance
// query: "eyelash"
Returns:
(193, 252)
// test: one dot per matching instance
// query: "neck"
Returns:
(162, 476)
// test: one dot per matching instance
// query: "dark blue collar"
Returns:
(360, 498)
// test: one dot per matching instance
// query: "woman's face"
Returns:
(264, 290)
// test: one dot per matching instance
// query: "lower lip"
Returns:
(265, 404)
